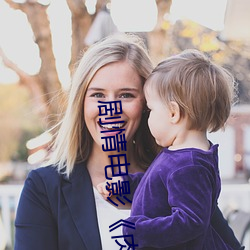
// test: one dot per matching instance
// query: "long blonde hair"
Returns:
(73, 142)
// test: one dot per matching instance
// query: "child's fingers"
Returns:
(106, 185)
(101, 188)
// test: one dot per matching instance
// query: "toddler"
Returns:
(188, 96)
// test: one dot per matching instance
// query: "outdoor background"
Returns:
(42, 40)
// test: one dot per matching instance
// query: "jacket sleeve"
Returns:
(35, 225)
(221, 226)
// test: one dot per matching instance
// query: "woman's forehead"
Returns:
(117, 75)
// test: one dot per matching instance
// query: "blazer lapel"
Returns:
(79, 195)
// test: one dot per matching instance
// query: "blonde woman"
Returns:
(59, 207)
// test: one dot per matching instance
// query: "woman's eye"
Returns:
(127, 95)
(97, 95)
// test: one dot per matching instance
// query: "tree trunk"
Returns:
(46, 81)
(81, 22)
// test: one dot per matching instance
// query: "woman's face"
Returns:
(117, 81)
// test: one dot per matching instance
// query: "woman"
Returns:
(59, 207)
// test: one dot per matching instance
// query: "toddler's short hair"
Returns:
(203, 90)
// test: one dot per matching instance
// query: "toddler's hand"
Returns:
(101, 188)
(104, 188)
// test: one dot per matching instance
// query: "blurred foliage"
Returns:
(233, 55)
(18, 122)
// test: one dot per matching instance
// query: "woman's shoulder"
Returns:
(45, 172)
(49, 175)
(51, 169)
(45, 177)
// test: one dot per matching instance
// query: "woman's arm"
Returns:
(35, 225)
(221, 226)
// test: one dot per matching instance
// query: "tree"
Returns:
(165, 40)
(45, 86)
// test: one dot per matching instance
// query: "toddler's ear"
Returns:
(175, 112)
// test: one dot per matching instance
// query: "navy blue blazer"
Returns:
(57, 213)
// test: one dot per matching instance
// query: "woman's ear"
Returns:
(174, 112)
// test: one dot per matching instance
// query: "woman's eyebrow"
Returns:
(130, 89)
(122, 89)
(95, 89)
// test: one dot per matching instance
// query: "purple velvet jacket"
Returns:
(174, 202)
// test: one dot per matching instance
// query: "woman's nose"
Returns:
(110, 108)
(111, 97)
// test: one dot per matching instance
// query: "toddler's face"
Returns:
(159, 120)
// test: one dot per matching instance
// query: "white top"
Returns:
(107, 215)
